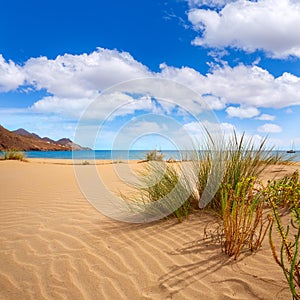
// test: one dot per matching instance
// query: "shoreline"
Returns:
(115, 161)
(275, 171)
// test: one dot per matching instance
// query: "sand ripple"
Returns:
(55, 245)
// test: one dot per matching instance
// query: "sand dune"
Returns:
(55, 245)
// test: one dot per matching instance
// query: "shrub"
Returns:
(164, 189)
(286, 192)
(239, 158)
(12, 154)
(154, 155)
(236, 160)
(242, 215)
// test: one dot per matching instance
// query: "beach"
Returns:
(55, 245)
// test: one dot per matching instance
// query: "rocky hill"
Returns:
(23, 140)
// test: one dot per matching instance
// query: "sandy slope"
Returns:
(55, 245)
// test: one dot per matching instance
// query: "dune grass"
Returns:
(164, 189)
(246, 208)
(205, 175)
(239, 159)
(154, 155)
(12, 154)
(244, 225)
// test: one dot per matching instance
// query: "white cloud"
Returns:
(78, 76)
(102, 107)
(184, 75)
(250, 86)
(242, 112)
(209, 3)
(254, 86)
(215, 103)
(64, 106)
(269, 128)
(73, 81)
(266, 117)
(270, 25)
(227, 128)
(199, 129)
(11, 75)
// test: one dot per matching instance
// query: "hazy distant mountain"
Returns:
(21, 139)
(68, 143)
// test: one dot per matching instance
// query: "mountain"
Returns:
(68, 143)
(24, 132)
(21, 139)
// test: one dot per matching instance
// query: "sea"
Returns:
(127, 154)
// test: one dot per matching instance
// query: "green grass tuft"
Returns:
(13, 154)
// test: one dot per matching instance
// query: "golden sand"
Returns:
(55, 245)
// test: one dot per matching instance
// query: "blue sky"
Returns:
(242, 58)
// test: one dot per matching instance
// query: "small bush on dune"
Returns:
(286, 192)
(240, 159)
(239, 199)
(163, 188)
(13, 155)
(237, 159)
(154, 155)
(243, 221)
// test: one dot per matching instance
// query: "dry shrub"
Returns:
(154, 155)
(13, 154)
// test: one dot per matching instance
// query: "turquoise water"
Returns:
(100, 154)
(123, 154)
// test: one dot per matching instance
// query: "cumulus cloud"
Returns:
(199, 129)
(215, 103)
(78, 76)
(242, 112)
(269, 128)
(11, 75)
(249, 86)
(266, 117)
(269, 25)
(102, 107)
(73, 81)
(72, 107)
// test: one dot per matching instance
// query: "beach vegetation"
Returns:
(162, 188)
(12, 154)
(154, 155)
(238, 159)
(285, 194)
(244, 224)
(246, 210)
